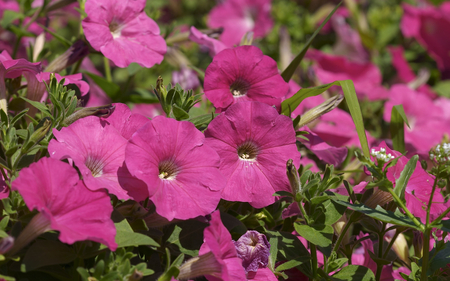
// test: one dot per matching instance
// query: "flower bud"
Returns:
(320, 110)
(292, 175)
(100, 111)
(38, 135)
(75, 53)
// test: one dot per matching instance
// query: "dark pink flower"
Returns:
(254, 249)
(238, 17)
(65, 204)
(254, 143)
(427, 127)
(123, 32)
(217, 258)
(214, 46)
(365, 76)
(427, 25)
(338, 129)
(329, 154)
(99, 153)
(243, 74)
(124, 121)
(419, 187)
(348, 42)
(181, 172)
(149, 110)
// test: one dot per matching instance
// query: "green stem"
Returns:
(16, 47)
(341, 236)
(397, 233)
(313, 250)
(443, 215)
(408, 213)
(425, 254)
(107, 69)
(430, 201)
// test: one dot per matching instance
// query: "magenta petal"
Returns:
(52, 187)
(181, 172)
(329, 154)
(254, 143)
(214, 46)
(125, 122)
(97, 151)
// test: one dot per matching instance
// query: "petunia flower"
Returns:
(180, 170)
(427, 25)
(238, 17)
(254, 143)
(254, 249)
(99, 153)
(214, 46)
(186, 77)
(426, 123)
(217, 258)
(365, 76)
(65, 204)
(123, 32)
(243, 74)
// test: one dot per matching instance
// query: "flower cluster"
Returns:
(441, 154)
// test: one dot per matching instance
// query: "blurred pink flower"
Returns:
(186, 77)
(427, 25)
(338, 129)
(180, 170)
(404, 71)
(149, 110)
(254, 143)
(365, 76)
(348, 42)
(123, 32)
(217, 258)
(65, 204)
(238, 17)
(243, 74)
(214, 46)
(99, 153)
(427, 127)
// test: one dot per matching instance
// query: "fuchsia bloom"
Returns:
(98, 150)
(217, 258)
(181, 172)
(65, 204)
(243, 74)
(214, 46)
(366, 76)
(254, 143)
(186, 77)
(238, 17)
(418, 189)
(427, 125)
(123, 32)
(427, 25)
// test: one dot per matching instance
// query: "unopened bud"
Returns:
(75, 53)
(99, 111)
(160, 91)
(136, 276)
(6, 244)
(378, 197)
(292, 175)
(320, 110)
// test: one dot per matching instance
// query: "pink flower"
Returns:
(65, 204)
(238, 17)
(243, 74)
(427, 25)
(124, 121)
(361, 257)
(329, 154)
(217, 258)
(254, 250)
(186, 77)
(254, 143)
(181, 172)
(338, 129)
(366, 76)
(123, 32)
(99, 153)
(427, 127)
(418, 189)
(149, 110)
(214, 46)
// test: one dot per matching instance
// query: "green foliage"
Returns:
(398, 118)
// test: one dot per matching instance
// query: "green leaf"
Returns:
(354, 273)
(288, 265)
(402, 181)
(443, 88)
(42, 107)
(202, 121)
(188, 236)
(179, 113)
(289, 71)
(380, 214)
(126, 237)
(355, 111)
(320, 235)
(8, 17)
(47, 252)
(440, 259)
(397, 129)
(61, 39)
(443, 225)
(110, 88)
(328, 212)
